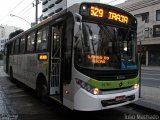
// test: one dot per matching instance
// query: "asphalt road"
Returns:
(22, 103)
(150, 78)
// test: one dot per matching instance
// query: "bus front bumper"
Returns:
(84, 101)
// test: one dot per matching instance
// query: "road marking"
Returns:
(150, 78)
(150, 73)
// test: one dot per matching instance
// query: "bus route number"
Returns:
(97, 12)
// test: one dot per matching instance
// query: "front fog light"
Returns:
(96, 91)
(135, 86)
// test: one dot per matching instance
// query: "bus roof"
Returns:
(74, 8)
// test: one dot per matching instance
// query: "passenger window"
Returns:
(22, 45)
(12, 48)
(42, 39)
(30, 42)
(16, 51)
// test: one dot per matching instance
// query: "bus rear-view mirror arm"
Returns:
(78, 34)
(77, 29)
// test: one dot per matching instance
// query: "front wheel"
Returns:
(42, 92)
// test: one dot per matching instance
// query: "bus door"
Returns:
(55, 60)
(62, 38)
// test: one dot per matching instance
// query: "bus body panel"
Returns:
(27, 67)
(21, 68)
(85, 101)
(68, 94)
(4, 63)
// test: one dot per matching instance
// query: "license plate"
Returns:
(120, 98)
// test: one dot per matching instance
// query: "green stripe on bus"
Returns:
(113, 84)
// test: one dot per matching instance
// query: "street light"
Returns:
(20, 18)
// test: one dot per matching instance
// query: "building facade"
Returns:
(149, 12)
(4, 35)
(51, 7)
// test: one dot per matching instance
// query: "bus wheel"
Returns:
(11, 75)
(42, 92)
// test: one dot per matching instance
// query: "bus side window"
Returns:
(13, 48)
(31, 42)
(16, 51)
(22, 45)
(42, 39)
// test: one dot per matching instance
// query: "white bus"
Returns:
(84, 57)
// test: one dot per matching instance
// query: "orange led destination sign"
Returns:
(98, 59)
(118, 17)
(99, 12)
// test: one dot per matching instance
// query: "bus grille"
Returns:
(109, 74)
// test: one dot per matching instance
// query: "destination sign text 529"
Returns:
(111, 15)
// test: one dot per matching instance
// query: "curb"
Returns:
(150, 68)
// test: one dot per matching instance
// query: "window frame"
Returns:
(24, 49)
(142, 15)
(16, 50)
(41, 36)
(31, 34)
(157, 11)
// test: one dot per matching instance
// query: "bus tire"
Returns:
(42, 92)
(11, 75)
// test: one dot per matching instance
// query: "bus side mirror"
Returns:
(77, 28)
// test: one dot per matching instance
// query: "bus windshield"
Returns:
(104, 47)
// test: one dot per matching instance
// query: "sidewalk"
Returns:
(6, 110)
(150, 96)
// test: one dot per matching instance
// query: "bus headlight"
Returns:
(96, 91)
(136, 86)
(84, 85)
